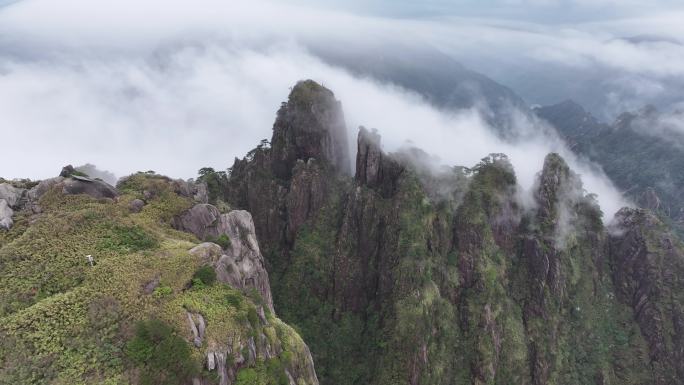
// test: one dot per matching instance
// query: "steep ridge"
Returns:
(391, 283)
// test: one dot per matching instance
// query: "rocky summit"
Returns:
(300, 266)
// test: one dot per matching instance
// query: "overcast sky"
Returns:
(174, 85)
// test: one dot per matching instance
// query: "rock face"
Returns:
(374, 168)
(282, 186)
(310, 125)
(248, 352)
(464, 287)
(648, 263)
(241, 264)
(201, 220)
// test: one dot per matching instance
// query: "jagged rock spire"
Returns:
(374, 168)
(557, 185)
(310, 125)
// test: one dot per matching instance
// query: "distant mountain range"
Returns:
(437, 77)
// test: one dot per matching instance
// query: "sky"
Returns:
(542, 11)
(173, 86)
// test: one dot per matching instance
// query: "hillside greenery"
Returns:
(123, 320)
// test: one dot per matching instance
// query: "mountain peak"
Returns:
(571, 105)
(557, 183)
(310, 125)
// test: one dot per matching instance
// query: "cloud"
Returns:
(602, 65)
(197, 85)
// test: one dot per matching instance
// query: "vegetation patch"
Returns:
(161, 356)
(127, 239)
(204, 276)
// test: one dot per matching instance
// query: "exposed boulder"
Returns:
(197, 326)
(191, 189)
(93, 187)
(73, 182)
(149, 286)
(93, 172)
(11, 199)
(299, 369)
(241, 264)
(136, 205)
(201, 220)
(15, 197)
(6, 214)
(201, 193)
(43, 187)
(67, 171)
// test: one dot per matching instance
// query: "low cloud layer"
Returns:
(197, 86)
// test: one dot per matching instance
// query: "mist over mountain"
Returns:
(439, 78)
(642, 152)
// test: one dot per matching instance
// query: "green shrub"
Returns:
(253, 317)
(234, 300)
(161, 355)
(222, 240)
(204, 276)
(217, 182)
(270, 372)
(126, 239)
(140, 182)
(247, 376)
(162, 291)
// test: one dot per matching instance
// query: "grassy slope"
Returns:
(64, 322)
